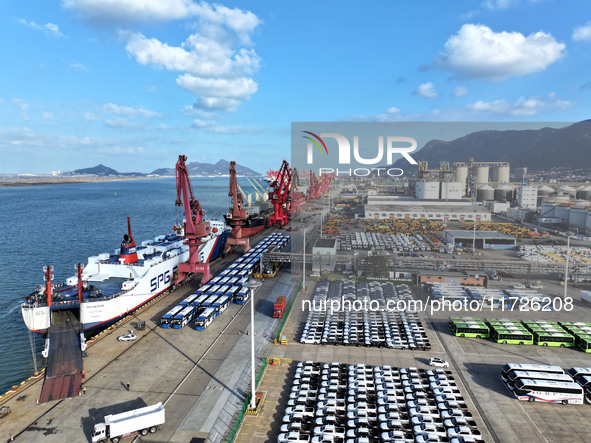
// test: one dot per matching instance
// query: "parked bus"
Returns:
(204, 319)
(533, 375)
(242, 296)
(562, 339)
(549, 391)
(584, 343)
(190, 299)
(469, 330)
(512, 367)
(165, 320)
(577, 372)
(183, 317)
(513, 336)
(222, 303)
(199, 300)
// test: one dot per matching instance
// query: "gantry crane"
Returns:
(279, 195)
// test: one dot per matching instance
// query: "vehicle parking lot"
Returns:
(340, 402)
(353, 324)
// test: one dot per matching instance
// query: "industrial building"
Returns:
(324, 246)
(576, 216)
(460, 278)
(527, 197)
(384, 207)
(481, 239)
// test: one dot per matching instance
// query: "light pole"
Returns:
(252, 286)
(304, 264)
(566, 266)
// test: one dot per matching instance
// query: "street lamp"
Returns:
(252, 286)
(304, 264)
(566, 266)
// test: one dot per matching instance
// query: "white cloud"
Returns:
(215, 62)
(47, 115)
(478, 52)
(459, 91)
(130, 111)
(426, 90)
(582, 33)
(48, 28)
(22, 104)
(497, 4)
(214, 127)
(521, 107)
(238, 21)
(392, 110)
(79, 67)
(131, 10)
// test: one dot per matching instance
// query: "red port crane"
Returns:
(279, 195)
(195, 227)
(238, 216)
(314, 187)
(296, 197)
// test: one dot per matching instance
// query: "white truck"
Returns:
(129, 424)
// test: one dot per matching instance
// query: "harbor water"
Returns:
(61, 225)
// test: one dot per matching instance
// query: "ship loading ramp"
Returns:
(63, 375)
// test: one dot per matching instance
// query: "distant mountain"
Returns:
(207, 169)
(541, 149)
(97, 170)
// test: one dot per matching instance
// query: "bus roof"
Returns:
(531, 367)
(533, 383)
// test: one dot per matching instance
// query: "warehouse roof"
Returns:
(487, 235)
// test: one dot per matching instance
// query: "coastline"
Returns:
(36, 181)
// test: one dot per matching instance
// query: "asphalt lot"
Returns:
(476, 364)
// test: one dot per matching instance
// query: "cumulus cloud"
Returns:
(216, 62)
(426, 90)
(521, 107)
(582, 33)
(459, 91)
(130, 111)
(49, 28)
(215, 128)
(476, 51)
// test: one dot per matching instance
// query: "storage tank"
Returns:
(462, 176)
(545, 191)
(584, 193)
(481, 173)
(566, 189)
(452, 190)
(485, 193)
(503, 193)
(427, 190)
(501, 174)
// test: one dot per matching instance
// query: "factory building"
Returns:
(576, 216)
(391, 207)
(324, 246)
(482, 239)
(527, 197)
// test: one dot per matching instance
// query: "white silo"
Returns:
(566, 189)
(427, 190)
(502, 174)
(584, 193)
(481, 173)
(462, 177)
(545, 191)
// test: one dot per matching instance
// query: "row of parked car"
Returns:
(335, 402)
(361, 314)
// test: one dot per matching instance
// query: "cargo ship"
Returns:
(112, 286)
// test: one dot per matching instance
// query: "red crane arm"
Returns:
(184, 197)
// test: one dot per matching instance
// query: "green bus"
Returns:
(469, 330)
(562, 339)
(584, 343)
(513, 337)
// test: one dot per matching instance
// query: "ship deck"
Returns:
(64, 366)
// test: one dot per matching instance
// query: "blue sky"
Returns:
(133, 83)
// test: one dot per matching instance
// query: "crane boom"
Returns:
(195, 227)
